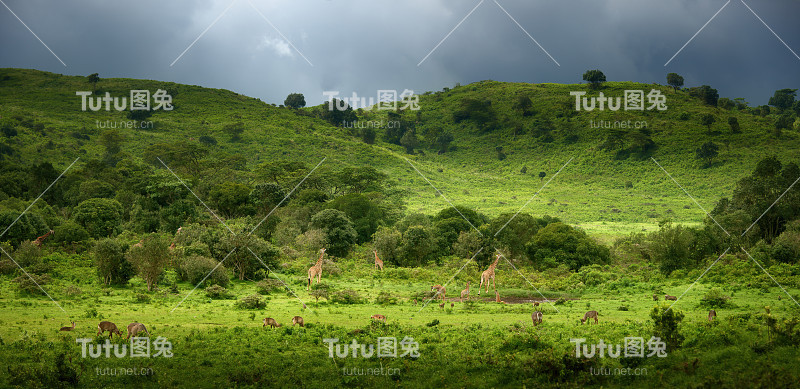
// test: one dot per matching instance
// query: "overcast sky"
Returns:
(363, 46)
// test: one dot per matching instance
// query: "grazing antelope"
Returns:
(135, 328)
(440, 290)
(378, 262)
(108, 326)
(536, 317)
(379, 317)
(297, 320)
(452, 305)
(268, 321)
(589, 315)
(712, 314)
(668, 297)
(68, 328)
(536, 304)
(655, 297)
(38, 242)
(465, 293)
(488, 275)
(415, 301)
(316, 270)
(441, 306)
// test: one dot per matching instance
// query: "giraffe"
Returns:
(316, 270)
(172, 246)
(378, 262)
(465, 293)
(488, 275)
(39, 240)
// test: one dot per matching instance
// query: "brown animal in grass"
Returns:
(465, 293)
(589, 315)
(655, 297)
(135, 328)
(415, 301)
(497, 298)
(268, 321)
(440, 291)
(38, 242)
(452, 305)
(488, 275)
(108, 326)
(536, 304)
(668, 297)
(536, 317)
(68, 328)
(441, 305)
(712, 314)
(378, 262)
(316, 270)
(379, 317)
(298, 320)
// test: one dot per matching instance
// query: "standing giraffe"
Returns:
(465, 293)
(378, 262)
(39, 240)
(488, 275)
(316, 270)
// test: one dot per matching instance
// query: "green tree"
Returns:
(150, 258)
(595, 78)
(365, 214)
(665, 326)
(512, 232)
(783, 99)
(387, 241)
(112, 142)
(523, 104)
(266, 196)
(234, 130)
(231, 199)
(338, 113)
(368, 136)
(295, 100)
(671, 247)
(109, 259)
(417, 246)
(341, 236)
(443, 141)
(100, 217)
(707, 120)
(674, 80)
(734, 123)
(409, 141)
(558, 243)
(240, 249)
(542, 175)
(725, 103)
(707, 94)
(707, 152)
(93, 79)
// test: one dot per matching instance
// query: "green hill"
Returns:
(609, 187)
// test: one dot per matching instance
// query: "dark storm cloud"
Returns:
(364, 46)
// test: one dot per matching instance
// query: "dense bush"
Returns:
(217, 292)
(252, 301)
(112, 267)
(195, 268)
(346, 296)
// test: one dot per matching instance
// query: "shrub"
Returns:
(217, 292)
(347, 296)
(268, 286)
(141, 298)
(112, 268)
(433, 323)
(317, 293)
(252, 301)
(385, 298)
(28, 285)
(72, 291)
(665, 325)
(69, 233)
(715, 299)
(195, 268)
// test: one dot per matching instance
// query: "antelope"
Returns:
(268, 321)
(298, 320)
(488, 275)
(712, 314)
(589, 315)
(378, 262)
(39, 240)
(415, 301)
(441, 306)
(465, 293)
(379, 317)
(135, 328)
(108, 326)
(668, 297)
(655, 297)
(536, 304)
(536, 317)
(440, 290)
(452, 305)
(316, 270)
(68, 328)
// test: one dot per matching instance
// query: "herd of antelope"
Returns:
(133, 329)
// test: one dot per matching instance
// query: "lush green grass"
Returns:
(592, 189)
